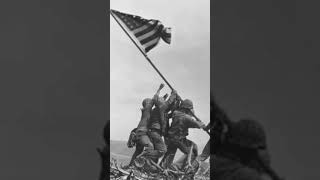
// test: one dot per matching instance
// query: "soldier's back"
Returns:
(155, 119)
(227, 169)
(177, 125)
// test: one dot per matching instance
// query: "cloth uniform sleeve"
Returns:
(155, 98)
(162, 106)
(172, 98)
(192, 122)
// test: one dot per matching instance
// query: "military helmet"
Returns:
(146, 102)
(247, 133)
(187, 103)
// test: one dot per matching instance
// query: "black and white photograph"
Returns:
(159, 89)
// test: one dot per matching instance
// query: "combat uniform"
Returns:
(143, 142)
(176, 138)
(158, 124)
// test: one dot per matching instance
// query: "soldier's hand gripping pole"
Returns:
(160, 87)
(206, 130)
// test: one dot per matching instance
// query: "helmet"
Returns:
(146, 102)
(247, 133)
(187, 103)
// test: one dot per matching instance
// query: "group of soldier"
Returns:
(155, 138)
(239, 147)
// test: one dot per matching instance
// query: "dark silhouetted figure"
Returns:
(104, 153)
(239, 149)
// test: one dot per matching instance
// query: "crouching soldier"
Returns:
(139, 136)
(177, 137)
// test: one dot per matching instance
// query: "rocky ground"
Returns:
(120, 156)
(117, 172)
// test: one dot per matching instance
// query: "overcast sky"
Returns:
(185, 63)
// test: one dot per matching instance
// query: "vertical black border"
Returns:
(212, 30)
(108, 66)
(105, 154)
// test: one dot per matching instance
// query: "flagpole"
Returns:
(144, 54)
(147, 58)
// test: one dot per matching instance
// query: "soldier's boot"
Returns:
(139, 162)
(141, 159)
(148, 149)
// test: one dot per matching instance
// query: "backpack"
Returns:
(132, 138)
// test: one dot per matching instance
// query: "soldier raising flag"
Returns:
(145, 34)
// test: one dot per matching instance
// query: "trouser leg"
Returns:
(190, 151)
(168, 158)
(194, 150)
(139, 150)
(159, 146)
(145, 142)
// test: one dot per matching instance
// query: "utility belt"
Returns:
(135, 134)
(176, 137)
(132, 138)
(178, 134)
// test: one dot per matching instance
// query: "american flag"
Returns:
(146, 32)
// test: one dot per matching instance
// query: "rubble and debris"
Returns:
(118, 172)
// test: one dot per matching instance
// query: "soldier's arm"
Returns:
(193, 123)
(172, 98)
(163, 123)
(156, 96)
(207, 127)
(162, 108)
